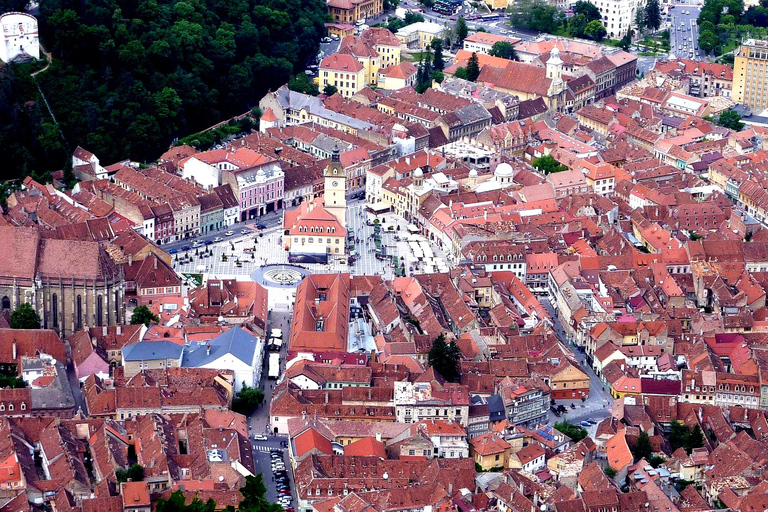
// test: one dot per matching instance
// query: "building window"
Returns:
(99, 308)
(79, 312)
(55, 306)
(6, 302)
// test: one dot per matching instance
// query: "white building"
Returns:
(618, 15)
(20, 39)
(236, 350)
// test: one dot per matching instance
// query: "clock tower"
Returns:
(334, 195)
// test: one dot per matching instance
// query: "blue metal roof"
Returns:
(235, 341)
(152, 350)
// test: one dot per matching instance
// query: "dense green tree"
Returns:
(695, 440)
(473, 68)
(143, 315)
(178, 503)
(575, 432)
(444, 358)
(730, 119)
(11, 381)
(129, 76)
(536, 15)
(135, 473)
(707, 40)
(462, 31)
(547, 164)
(247, 399)
(330, 90)
(653, 14)
(391, 4)
(254, 497)
(678, 435)
(577, 24)
(588, 9)
(595, 30)
(626, 41)
(643, 448)
(424, 75)
(25, 317)
(610, 472)
(460, 72)
(302, 83)
(640, 19)
(504, 50)
(438, 61)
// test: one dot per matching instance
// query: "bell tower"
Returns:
(334, 195)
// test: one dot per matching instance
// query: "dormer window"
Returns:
(319, 325)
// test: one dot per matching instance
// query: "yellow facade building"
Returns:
(750, 74)
(344, 72)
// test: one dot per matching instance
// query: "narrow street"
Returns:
(599, 403)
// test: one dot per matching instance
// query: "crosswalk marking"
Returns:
(264, 449)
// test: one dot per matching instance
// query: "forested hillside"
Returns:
(130, 75)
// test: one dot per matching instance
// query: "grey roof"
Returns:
(496, 408)
(297, 101)
(235, 341)
(152, 350)
(57, 395)
(473, 113)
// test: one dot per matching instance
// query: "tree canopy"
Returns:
(547, 164)
(143, 315)
(504, 50)
(536, 15)
(128, 76)
(462, 31)
(25, 317)
(135, 473)
(730, 119)
(247, 400)
(652, 15)
(575, 432)
(444, 358)
(473, 68)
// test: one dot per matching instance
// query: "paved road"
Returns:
(270, 220)
(684, 33)
(599, 403)
(74, 383)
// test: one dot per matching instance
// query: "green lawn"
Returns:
(415, 56)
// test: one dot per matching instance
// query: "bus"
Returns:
(274, 365)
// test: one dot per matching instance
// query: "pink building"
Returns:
(87, 357)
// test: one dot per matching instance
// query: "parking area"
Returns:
(270, 458)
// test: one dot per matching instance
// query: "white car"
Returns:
(229, 233)
(259, 437)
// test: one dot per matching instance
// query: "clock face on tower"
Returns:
(335, 183)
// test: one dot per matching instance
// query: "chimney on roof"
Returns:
(119, 329)
(14, 349)
(155, 263)
(130, 259)
(378, 436)
(207, 349)
(104, 331)
(326, 398)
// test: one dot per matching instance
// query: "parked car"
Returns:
(259, 437)
(261, 226)
(229, 233)
(173, 251)
(185, 247)
(592, 421)
(208, 242)
(218, 239)
(585, 424)
(245, 231)
(196, 244)
(248, 249)
(326, 40)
